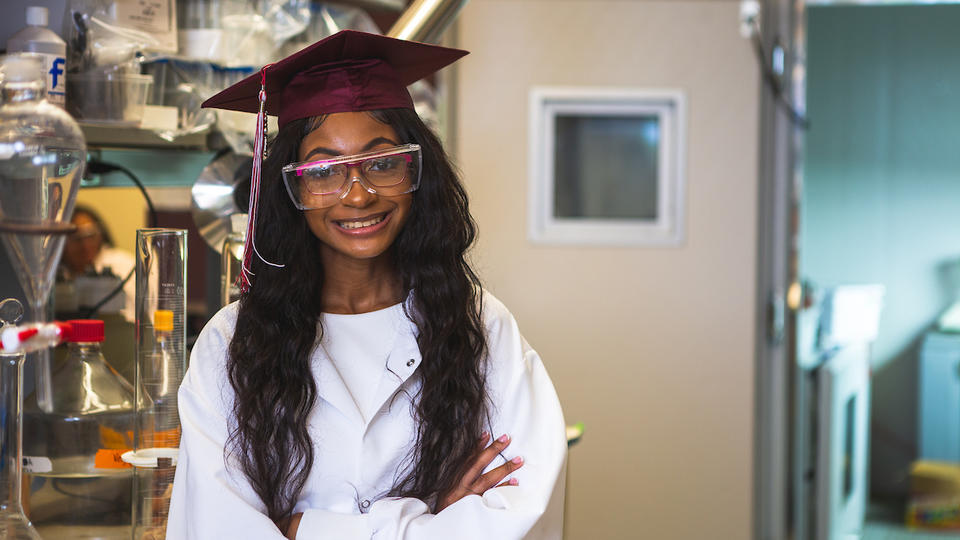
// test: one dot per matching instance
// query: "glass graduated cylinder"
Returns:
(160, 370)
(161, 364)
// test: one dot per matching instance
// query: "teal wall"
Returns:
(881, 198)
(156, 168)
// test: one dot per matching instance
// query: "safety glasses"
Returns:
(321, 184)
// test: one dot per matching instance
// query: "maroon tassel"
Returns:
(245, 279)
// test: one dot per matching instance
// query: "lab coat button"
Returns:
(365, 504)
(411, 362)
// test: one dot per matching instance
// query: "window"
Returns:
(606, 166)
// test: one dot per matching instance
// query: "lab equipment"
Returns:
(33, 337)
(112, 98)
(42, 155)
(13, 522)
(161, 363)
(78, 486)
(39, 41)
(212, 197)
(231, 259)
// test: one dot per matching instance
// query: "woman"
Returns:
(90, 250)
(364, 386)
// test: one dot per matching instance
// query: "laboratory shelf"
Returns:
(101, 136)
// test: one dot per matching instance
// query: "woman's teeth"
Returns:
(360, 224)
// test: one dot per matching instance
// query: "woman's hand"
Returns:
(474, 482)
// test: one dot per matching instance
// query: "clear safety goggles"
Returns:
(321, 184)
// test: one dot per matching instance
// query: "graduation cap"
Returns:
(347, 72)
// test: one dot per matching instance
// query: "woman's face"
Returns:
(362, 225)
(83, 246)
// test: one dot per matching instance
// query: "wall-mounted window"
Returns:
(606, 166)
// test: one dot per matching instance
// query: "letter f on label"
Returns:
(56, 71)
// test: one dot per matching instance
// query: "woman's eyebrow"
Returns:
(330, 152)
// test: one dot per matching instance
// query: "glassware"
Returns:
(231, 259)
(13, 522)
(78, 486)
(42, 155)
(161, 363)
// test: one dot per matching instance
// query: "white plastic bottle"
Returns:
(39, 40)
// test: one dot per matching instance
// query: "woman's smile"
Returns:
(362, 225)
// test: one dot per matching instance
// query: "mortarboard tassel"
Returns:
(245, 279)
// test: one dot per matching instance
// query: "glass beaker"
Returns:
(161, 364)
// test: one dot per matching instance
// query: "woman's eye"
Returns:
(383, 164)
(320, 172)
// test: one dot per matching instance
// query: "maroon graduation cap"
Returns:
(346, 72)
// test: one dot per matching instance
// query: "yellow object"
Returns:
(934, 495)
(163, 320)
(935, 478)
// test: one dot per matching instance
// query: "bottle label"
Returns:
(54, 68)
(110, 458)
(37, 464)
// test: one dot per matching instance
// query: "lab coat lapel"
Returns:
(403, 361)
(332, 388)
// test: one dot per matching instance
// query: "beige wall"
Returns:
(651, 347)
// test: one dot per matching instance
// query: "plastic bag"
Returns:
(107, 35)
(326, 20)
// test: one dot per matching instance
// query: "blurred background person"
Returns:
(90, 251)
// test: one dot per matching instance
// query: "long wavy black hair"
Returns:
(277, 330)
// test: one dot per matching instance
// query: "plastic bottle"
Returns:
(39, 40)
(231, 259)
(78, 485)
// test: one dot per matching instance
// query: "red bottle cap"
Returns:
(85, 331)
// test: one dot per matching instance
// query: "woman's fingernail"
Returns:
(504, 438)
(484, 435)
(518, 460)
(514, 481)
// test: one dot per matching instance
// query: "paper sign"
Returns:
(36, 464)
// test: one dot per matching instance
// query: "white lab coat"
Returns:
(356, 462)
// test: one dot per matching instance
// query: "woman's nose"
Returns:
(357, 194)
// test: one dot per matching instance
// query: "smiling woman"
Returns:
(363, 224)
(364, 386)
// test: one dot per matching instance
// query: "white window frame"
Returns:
(546, 103)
